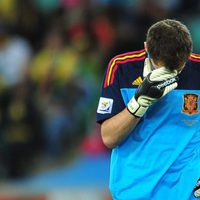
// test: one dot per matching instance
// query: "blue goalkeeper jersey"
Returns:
(160, 159)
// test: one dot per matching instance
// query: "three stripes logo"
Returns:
(137, 81)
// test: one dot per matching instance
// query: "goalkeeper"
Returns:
(149, 116)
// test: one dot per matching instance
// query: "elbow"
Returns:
(108, 141)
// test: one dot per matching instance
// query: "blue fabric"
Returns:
(161, 158)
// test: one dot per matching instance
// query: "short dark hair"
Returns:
(170, 42)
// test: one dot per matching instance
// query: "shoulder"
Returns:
(189, 77)
(122, 60)
(195, 58)
(132, 56)
(194, 62)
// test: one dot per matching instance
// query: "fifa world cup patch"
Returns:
(190, 104)
(105, 105)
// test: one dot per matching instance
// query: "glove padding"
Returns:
(156, 85)
(197, 189)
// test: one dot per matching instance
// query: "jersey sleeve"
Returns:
(110, 101)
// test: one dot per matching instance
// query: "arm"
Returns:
(117, 128)
(156, 85)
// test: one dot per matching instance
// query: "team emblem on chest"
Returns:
(190, 104)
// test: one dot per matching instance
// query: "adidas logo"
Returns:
(137, 81)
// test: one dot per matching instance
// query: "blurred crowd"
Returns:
(53, 54)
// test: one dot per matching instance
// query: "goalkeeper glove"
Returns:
(197, 189)
(156, 85)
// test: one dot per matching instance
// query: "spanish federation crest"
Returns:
(190, 104)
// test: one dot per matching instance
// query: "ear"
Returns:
(190, 55)
(145, 46)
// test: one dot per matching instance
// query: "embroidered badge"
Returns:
(105, 105)
(190, 104)
(197, 189)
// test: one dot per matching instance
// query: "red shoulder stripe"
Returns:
(195, 57)
(121, 59)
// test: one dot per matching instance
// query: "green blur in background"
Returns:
(53, 54)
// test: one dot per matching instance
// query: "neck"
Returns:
(156, 64)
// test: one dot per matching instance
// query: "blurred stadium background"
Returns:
(53, 54)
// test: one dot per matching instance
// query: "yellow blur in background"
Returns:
(53, 54)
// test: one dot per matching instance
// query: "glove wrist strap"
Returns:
(135, 108)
